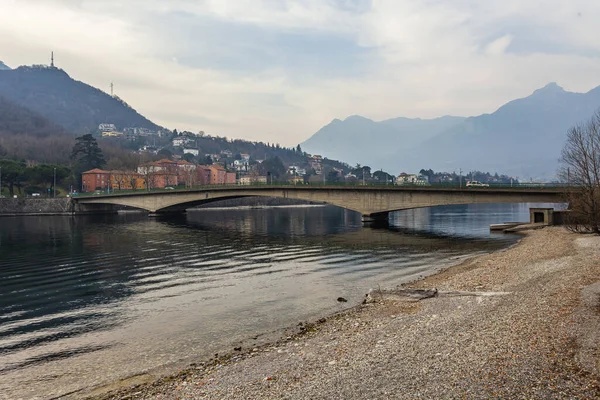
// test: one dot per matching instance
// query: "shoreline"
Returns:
(265, 339)
(464, 292)
(251, 346)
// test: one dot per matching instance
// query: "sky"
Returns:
(278, 70)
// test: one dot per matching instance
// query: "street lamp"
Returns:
(54, 186)
(0, 181)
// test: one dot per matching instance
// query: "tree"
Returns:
(299, 149)
(383, 177)
(86, 155)
(189, 157)
(12, 174)
(165, 153)
(580, 167)
(208, 160)
(44, 174)
(273, 166)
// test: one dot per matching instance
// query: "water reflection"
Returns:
(105, 297)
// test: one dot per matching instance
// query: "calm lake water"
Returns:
(88, 300)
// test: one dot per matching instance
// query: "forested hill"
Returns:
(78, 107)
(16, 119)
(3, 66)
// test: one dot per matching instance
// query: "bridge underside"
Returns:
(372, 203)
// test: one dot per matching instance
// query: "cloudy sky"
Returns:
(278, 70)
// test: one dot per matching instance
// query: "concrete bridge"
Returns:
(373, 202)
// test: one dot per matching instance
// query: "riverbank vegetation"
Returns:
(580, 167)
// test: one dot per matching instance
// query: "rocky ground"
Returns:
(522, 323)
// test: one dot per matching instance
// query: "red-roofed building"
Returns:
(95, 179)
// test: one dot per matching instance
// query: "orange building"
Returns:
(203, 174)
(218, 175)
(127, 180)
(230, 178)
(95, 179)
(98, 179)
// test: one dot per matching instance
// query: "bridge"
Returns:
(373, 202)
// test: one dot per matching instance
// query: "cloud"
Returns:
(277, 70)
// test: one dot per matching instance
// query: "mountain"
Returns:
(3, 67)
(27, 135)
(16, 120)
(78, 107)
(523, 138)
(347, 140)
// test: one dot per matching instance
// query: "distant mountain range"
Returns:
(3, 67)
(74, 105)
(523, 137)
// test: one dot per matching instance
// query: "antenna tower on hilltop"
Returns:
(52, 60)
(112, 90)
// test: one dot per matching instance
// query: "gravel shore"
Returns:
(522, 323)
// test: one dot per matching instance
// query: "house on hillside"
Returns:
(412, 179)
(112, 134)
(241, 165)
(191, 151)
(180, 141)
(107, 127)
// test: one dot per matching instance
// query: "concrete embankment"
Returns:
(520, 323)
(31, 206)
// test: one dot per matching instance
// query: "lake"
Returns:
(88, 300)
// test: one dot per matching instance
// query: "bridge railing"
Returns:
(448, 185)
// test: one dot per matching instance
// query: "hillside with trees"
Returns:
(76, 106)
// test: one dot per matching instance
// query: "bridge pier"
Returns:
(375, 219)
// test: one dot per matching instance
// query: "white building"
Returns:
(412, 179)
(179, 141)
(296, 171)
(193, 152)
(107, 127)
(241, 165)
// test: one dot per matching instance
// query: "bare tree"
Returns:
(580, 168)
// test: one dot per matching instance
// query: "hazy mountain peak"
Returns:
(357, 118)
(552, 87)
(4, 66)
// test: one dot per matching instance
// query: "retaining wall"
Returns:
(30, 206)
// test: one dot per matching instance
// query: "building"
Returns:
(161, 173)
(230, 178)
(97, 179)
(107, 127)
(186, 173)
(252, 180)
(241, 165)
(316, 163)
(126, 180)
(179, 141)
(203, 175)
(296, 180)
(297, 171)
(112, 134)
(412, 179)
(193, 152)
(217, 174)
